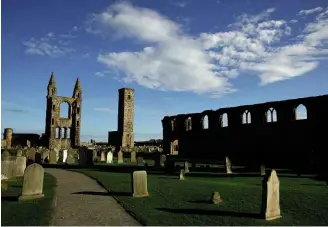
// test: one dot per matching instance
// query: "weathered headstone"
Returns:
(120, 157)
(20, 165)
(133, 157)
(85, 156)
(33, 182)
(19, 153)
(109, 157)
(31, 154)
(28, 143)
(5, 156)
(182, 174)
(270, 208)
(45, 154)
(139, 184)
(228, 165)
(216, 198)
(38, 157)
(8, 167)
(163, 159)
(103, 156)
(262, 169)
(57, 153)
(52, 157)
(186, 167)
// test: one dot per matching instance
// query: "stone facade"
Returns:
(126, 117)
(63, 132)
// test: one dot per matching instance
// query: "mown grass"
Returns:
(34, 212)
(303, 201)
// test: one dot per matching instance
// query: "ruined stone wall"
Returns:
(126, 117)
(267, 132)
(8, 134)
(63, 132)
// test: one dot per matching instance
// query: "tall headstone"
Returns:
(38, 157)
(103, 156)
(139, 184)
(33, 182)
(109, 157)
(182, 174)
(65, 155)
(85, 156)
(45, 154)
(270, 208)
(186, 167)
(228, 165)
(133, 157)
(120, 157)
(57, 151)
(163, 159)
(52, 157)
(31, 154)
(262, 170)
(20, 165)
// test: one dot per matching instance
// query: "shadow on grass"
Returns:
(212, 212)
(200, 201)
(322, 185)
(103, 193)
(9, 198)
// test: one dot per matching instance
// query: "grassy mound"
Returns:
(303, 201)
(35, 212)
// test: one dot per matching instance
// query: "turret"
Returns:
(52, 90)
(77, 89)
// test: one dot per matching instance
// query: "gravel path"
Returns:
(92, 207)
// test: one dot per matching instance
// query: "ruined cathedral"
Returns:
(63, 132)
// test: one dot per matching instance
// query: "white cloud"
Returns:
(48, 45)
(172, 60)
(293, 21)
(181, 4)
(104, 109)
(100, 74)
(310, 11)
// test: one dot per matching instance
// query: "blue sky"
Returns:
(179, 56)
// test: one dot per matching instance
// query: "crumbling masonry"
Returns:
(63, 132)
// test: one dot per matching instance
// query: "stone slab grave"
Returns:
(139, 184)
(270, 208)
(5, 156)
(8, 167)
(20, 165)
(120, 157)
(133, 157)
(33, 182)
(103, 156)
(186, 167)
(182, 174)
(228, 165)
(109, 157)
(52, 157)
(163, 159)
(85, 156)
(57, 153)
(31, 154)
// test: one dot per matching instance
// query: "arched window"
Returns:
(300, 112)
(224, 120)
(271, 115)
(64, 110)
(205, 122)
(188, 124)
(246, 117)
(57, 133)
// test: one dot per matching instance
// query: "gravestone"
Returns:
(8, 168)
(70, 158)
(52, 157)
(31, 154)
(186, 167)
(120, 157)
(28, 143)
(133, 157)
(216, 198)
(38, 157)
(65, 155)
(5, 156)
(19, 153)
(139, 184)
(103, 156)
(33, 182)
(262, 169)
(163, 159)
(270, 208)
(228, 165)
(182, 174)
(20, 165)
(109, 157)
(85, 156)
(57, 151)
(45, 154)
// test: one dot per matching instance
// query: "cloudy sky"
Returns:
(180, 56)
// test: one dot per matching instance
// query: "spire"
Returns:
(52, 80)
(77, 84)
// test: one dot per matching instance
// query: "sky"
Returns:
(180, 57)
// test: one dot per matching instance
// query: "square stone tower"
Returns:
(126, 117)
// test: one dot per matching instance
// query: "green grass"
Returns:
(303, 201)
(34, 212)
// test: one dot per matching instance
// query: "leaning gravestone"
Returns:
(20, 165)
(270, 208)
(120, 157)
(109, 157)
(186, 167)
(228, 165)
(139, 184)
(33, 182)
(133, 157)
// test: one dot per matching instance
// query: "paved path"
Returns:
(91, 208)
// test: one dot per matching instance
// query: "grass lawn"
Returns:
(303, 201)
(34, 212)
